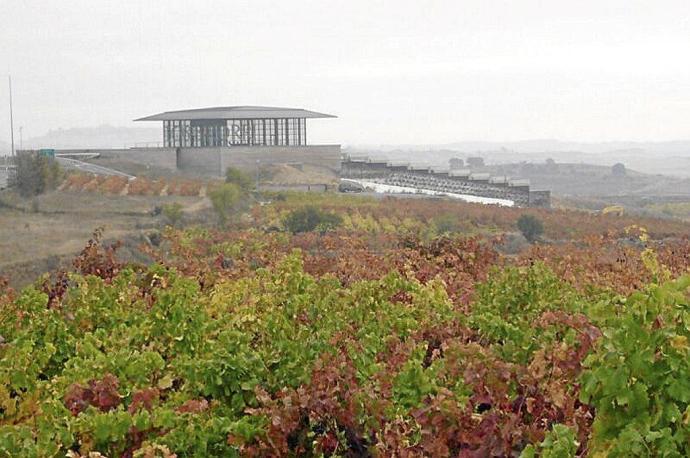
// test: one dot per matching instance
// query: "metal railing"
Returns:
(144, 145)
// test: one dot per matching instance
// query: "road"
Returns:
(90, 168)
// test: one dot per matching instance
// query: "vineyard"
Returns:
(139, 186)
(403, 328)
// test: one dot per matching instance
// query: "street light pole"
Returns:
(9, 78)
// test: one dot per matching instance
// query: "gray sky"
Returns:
(393, 71)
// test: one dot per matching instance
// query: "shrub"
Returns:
(36, 174)
(173, 213)
(157, 187)
(98, 259)
(512, 243)
(560, 442)
(77, 181)
(94, 184)
(446, 224)
(225, 199)
(140, 186)
(618, 170)
(239, 178)
(310, 218)
(638, 379)
(113, 184)
(189, 188)
(530, 226)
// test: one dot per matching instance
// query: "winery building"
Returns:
(235, 126)
(207, 141)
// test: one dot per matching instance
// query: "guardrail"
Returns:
(79, 155)
(144, 145)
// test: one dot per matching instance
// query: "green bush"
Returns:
(446, 224)
(36, 174)
(560, 442)
(530, 226)
(239, 178)
(173, 212)
(225, 200)
(310, 218)
(638, 380)
(511, 300)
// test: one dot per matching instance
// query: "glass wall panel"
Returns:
(280, 133)
(303, 131)
(246, 132)
(176, 133)
(166, 134)
(185, 133)
(270, 132)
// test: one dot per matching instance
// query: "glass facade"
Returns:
(235, 132)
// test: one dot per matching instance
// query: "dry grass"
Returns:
(288, 175)
(64, 223)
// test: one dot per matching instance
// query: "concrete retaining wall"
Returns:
(214, 161)
(200, 161)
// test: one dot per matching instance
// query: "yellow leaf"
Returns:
(680, 343)
(165, 383)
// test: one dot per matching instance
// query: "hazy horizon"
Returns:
(394, 72)
(106, 136)
(84, 136)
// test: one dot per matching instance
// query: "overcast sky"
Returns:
(393, 71)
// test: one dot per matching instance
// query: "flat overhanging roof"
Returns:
(239, 112)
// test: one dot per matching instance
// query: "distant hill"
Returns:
(96, 137)
(669, 158)
(680, 147)
(587, 180)
(536, 146)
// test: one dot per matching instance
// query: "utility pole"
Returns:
(21, 138)
(9, 78)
